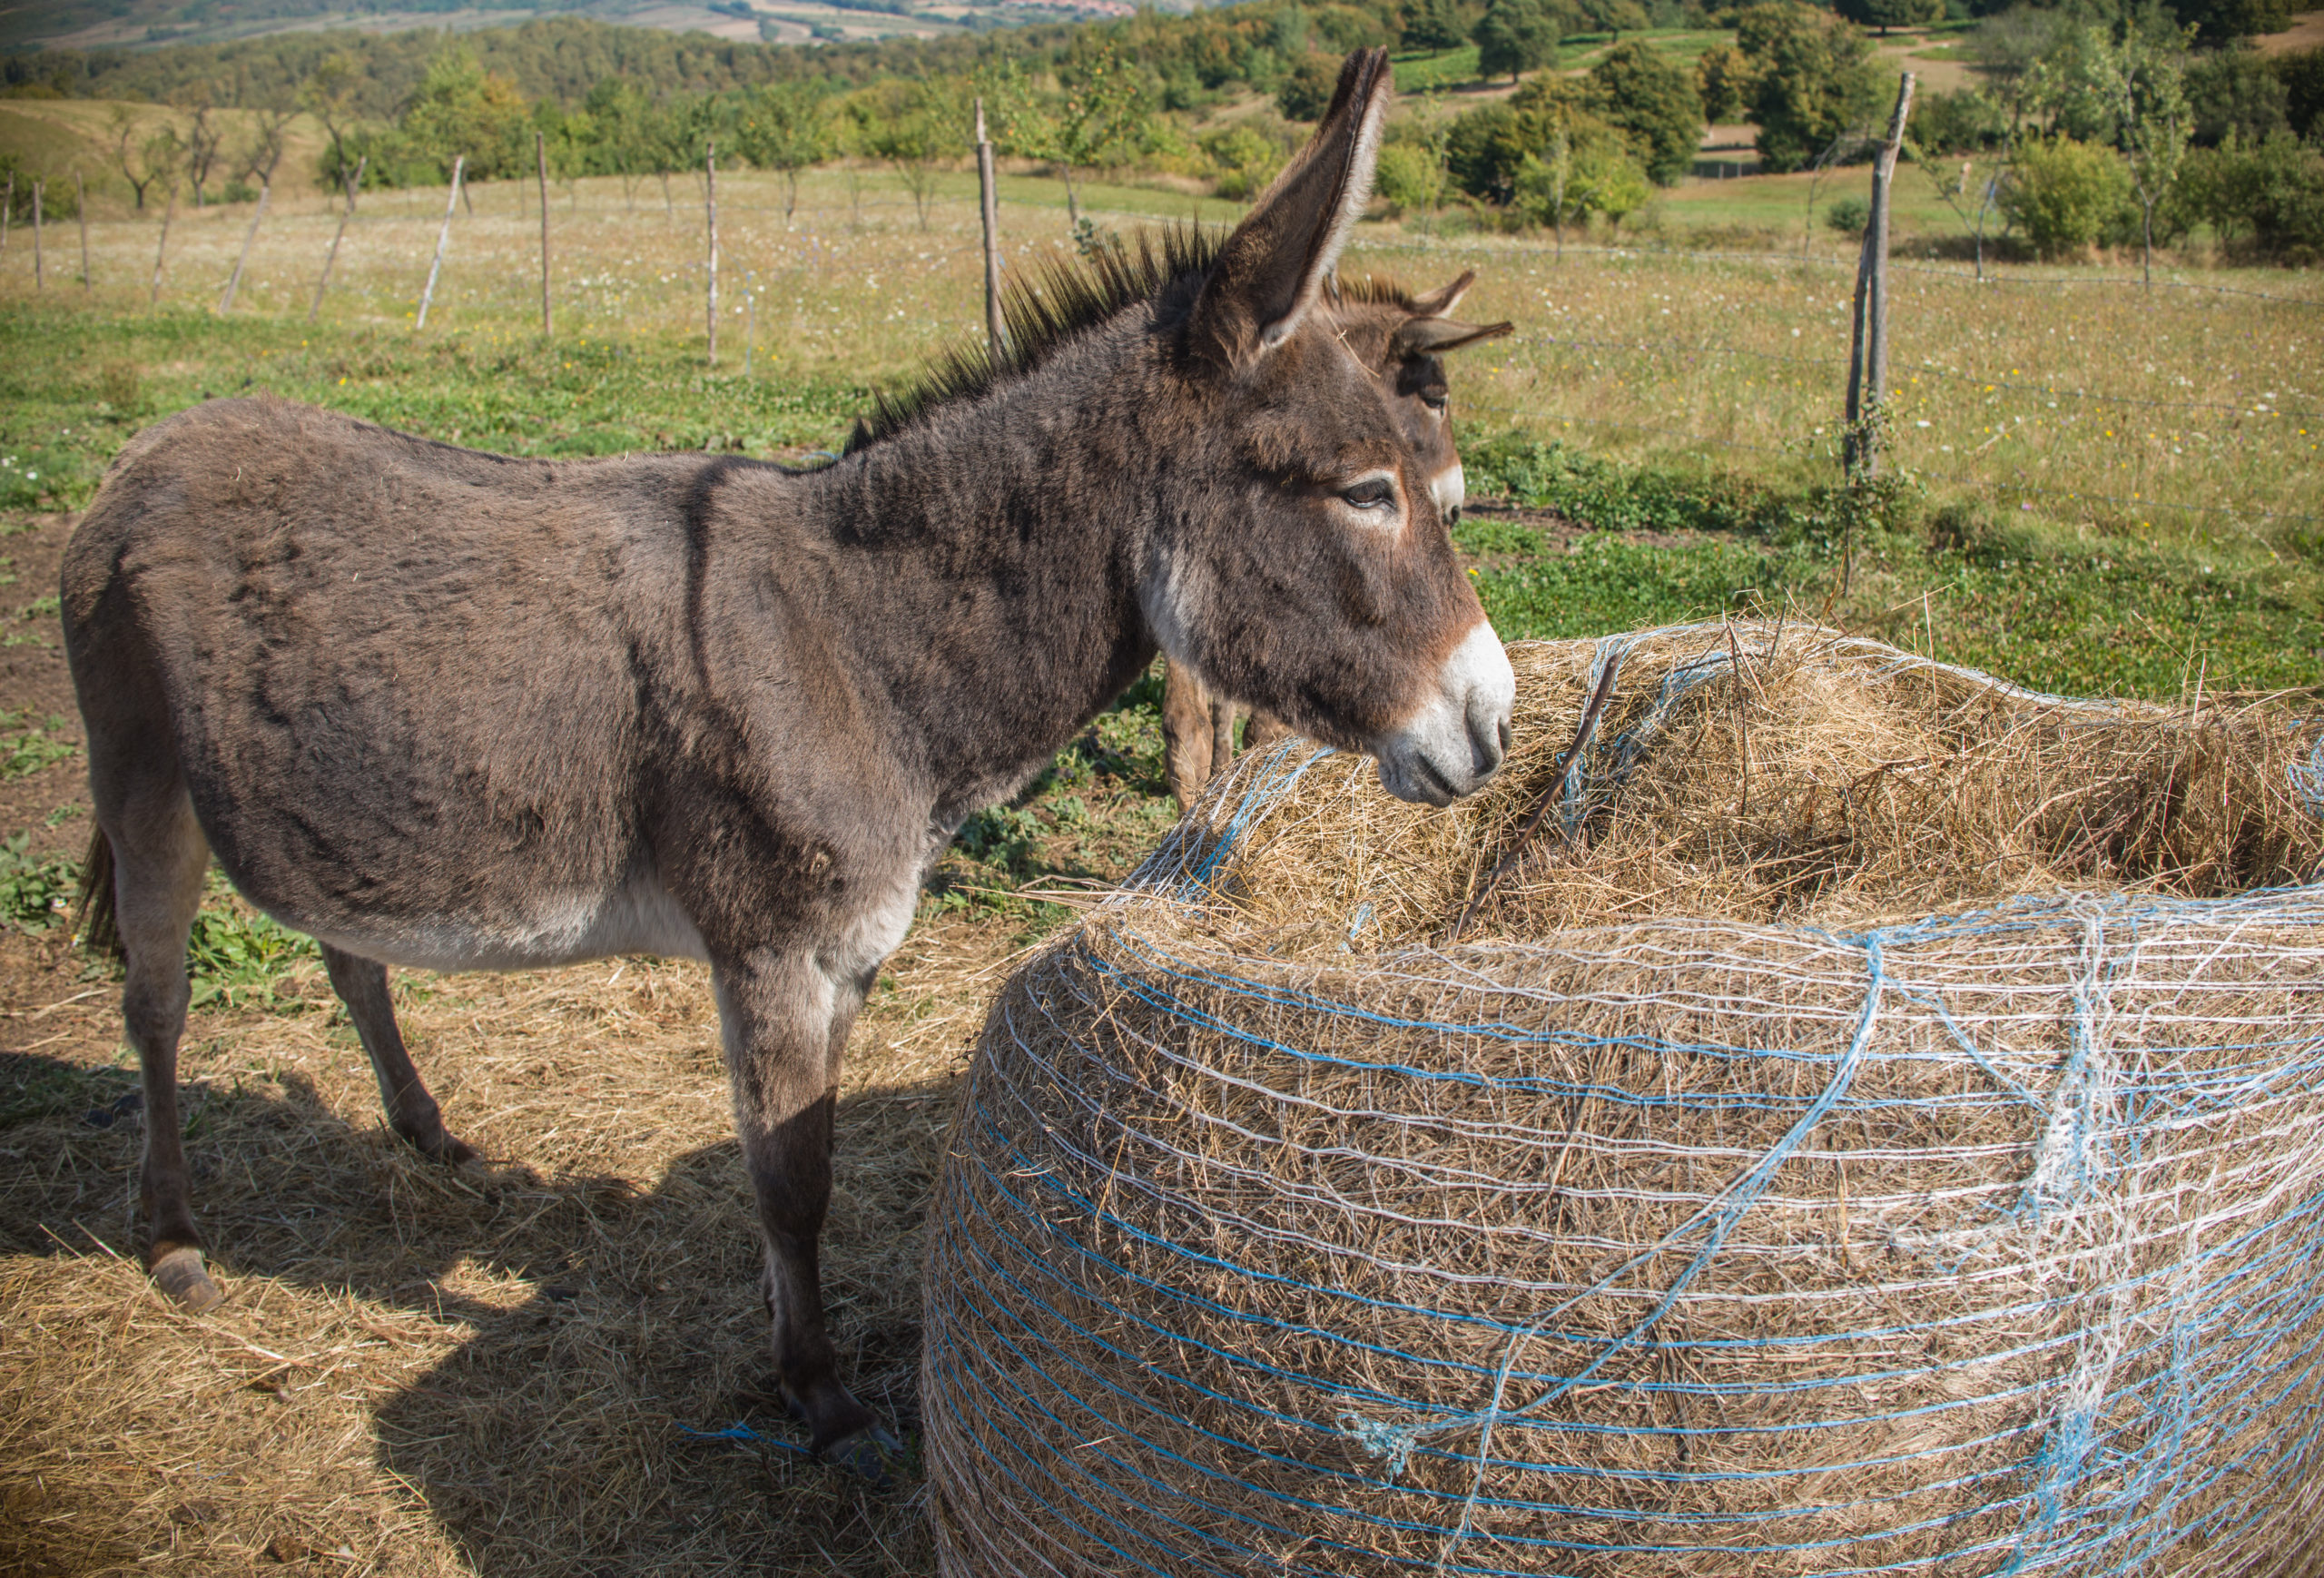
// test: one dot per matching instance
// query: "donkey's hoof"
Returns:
(442, 1144)
(180, 1274)
(868, 1452)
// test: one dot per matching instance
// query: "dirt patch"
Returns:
(2306, 31)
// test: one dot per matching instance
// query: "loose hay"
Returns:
(418, 1376)
(1920, 1177)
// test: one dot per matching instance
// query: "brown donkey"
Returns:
(452, 710)
(1402, 346)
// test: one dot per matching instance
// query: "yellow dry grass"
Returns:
(416, 1374)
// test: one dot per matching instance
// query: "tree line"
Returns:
(2128, 125)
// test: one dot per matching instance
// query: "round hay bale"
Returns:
(1862, 1119)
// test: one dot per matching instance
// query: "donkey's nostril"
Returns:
(1492, 746)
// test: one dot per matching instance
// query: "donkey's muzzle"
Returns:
(1456, 741)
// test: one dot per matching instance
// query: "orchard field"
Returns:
(2093, 488)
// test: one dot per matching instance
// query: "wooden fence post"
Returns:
(443, 238)
(354, 183)
(540, 157)
(161, 251)
(81, 207)
(990, 202)
(1869, 347)
(234, 280)
(710, 202)
(40, 188)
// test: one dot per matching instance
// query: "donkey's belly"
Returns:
(637, 917)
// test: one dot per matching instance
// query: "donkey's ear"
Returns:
(1442, 301)
(1271, 271)
(1436, 336)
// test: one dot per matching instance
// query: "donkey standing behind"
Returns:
(453, 710)
(1198, 728)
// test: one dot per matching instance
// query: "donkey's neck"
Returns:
(988, 560)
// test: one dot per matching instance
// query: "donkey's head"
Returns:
(1303, 563)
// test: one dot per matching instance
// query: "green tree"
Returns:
(2302, 73)
(1654, 102)
(1244, 161)
(1092, 122)
(1812, 80)
(2287, 188)
(785, 127)
(141, 160)
(2149, 88)
(329, 95)
(2067, 196)
(1430, 24)
(1723, 82)
(204, 144)
(916, 127)
(2233, 94)
(1515, 37)
(2220, 21)
(621, 131)
(1412, 172)
(463, 111)
(1485, 150)
(1885, 14)
(1307, 90)
(1583, 170)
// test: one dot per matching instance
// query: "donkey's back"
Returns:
(404, 687)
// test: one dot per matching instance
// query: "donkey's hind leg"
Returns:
(159, 859)
(412, 1112)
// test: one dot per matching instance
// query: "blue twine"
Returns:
(741, 1433)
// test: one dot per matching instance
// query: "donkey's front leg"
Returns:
(784, 1020)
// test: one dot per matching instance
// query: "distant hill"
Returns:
(559, 58)
(93, 25)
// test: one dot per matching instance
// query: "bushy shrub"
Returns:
(1967, 122)
(1242, 162)
(1408, 179)
(1723, 82)
(1488, 144)
(1848, 216)
(2270, 197)
(2287, 201)
(1599, 177)
(2302, 73)
(2233, 98)
(2068, 196)
(1345, 28)
(1306, 90)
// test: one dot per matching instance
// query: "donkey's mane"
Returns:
(1061, 300)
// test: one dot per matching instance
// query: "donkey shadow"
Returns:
(608, 1333)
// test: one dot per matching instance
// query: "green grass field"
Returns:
(2148, 461)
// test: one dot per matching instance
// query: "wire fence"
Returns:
(1550, 383)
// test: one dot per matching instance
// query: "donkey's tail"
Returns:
(93, 913)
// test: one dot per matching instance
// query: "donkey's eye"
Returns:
(1434, 399)
(1372, 493)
